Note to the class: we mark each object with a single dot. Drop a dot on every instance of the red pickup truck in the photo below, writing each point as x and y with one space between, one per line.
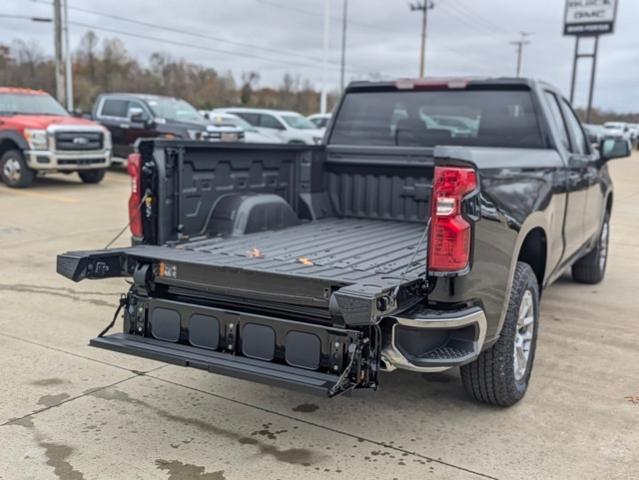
37 135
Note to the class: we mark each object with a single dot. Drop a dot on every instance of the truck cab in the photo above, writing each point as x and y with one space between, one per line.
130 116
38 136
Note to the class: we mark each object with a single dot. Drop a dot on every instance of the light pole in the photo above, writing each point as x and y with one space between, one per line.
422 7
69 66
344 26
520 49
57 43
327 26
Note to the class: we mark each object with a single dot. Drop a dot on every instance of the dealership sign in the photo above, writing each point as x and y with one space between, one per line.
590 17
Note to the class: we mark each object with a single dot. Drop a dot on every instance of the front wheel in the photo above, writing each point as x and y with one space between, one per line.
501 374
92 176
14 170
591 268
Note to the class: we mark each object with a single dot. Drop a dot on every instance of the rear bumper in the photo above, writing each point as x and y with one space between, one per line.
430 341
48 160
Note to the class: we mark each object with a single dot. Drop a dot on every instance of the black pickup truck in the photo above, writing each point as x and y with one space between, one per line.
402 243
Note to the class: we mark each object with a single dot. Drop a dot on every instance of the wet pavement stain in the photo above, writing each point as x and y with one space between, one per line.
26 422
306 408
57 454
51 400
61 292
266 432
295 456
185 471
57 457
49 382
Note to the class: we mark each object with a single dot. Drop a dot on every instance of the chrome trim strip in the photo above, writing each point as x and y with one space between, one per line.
392 358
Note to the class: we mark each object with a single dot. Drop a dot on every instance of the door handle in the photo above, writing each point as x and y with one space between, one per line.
124 125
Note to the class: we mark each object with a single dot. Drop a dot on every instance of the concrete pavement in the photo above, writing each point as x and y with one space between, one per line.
68 411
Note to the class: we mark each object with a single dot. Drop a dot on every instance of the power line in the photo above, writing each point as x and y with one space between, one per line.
468 10
198 47
462 17
334 18
353 68
26 17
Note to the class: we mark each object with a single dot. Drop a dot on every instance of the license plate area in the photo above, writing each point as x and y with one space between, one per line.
229 137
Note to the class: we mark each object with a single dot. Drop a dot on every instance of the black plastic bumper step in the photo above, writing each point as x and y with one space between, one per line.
216 362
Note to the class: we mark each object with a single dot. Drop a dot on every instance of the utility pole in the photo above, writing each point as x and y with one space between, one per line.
327 27
57 42
69 66
520 49
422 7
344 26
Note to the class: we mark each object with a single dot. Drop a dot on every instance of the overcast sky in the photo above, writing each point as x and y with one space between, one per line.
465 37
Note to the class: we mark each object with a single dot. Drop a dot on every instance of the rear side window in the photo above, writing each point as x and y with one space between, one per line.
252 118
558 119
492 118
269 121
581 145
114 108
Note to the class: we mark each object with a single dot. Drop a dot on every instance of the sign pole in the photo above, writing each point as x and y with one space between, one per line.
592 79
574 70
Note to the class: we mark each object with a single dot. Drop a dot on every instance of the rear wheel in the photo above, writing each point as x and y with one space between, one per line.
92 176
591 268
14 170
501 374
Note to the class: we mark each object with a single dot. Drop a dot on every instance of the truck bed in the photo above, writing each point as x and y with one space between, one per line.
299 265
347 250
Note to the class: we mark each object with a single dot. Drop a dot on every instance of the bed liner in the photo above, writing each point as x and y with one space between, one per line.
347 250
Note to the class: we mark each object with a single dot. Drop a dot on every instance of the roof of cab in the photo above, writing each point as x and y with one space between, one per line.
441 82
21 91
137 96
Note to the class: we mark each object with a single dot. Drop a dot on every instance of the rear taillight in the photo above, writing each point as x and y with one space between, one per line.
450 232
135 217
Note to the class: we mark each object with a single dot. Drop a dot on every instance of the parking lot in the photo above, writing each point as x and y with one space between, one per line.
68 411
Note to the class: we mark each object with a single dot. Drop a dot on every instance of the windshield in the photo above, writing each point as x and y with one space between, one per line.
12 104
298 122
494 118
229 121
614 126
174 109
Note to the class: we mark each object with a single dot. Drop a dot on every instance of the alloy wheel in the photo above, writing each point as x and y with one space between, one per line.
12 169
524 335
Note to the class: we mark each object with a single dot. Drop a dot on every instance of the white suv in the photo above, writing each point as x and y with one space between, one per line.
290 127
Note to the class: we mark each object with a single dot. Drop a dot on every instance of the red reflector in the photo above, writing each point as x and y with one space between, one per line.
449 246
135 216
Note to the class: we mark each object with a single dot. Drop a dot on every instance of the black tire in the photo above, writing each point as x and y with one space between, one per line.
493 377
14 171
92 176
591 268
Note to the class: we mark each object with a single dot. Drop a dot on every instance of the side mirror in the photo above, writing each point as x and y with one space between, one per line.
136 115
612 148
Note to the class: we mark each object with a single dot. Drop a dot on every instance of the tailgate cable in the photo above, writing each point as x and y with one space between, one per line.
147 194
402 276
340 385
123 299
